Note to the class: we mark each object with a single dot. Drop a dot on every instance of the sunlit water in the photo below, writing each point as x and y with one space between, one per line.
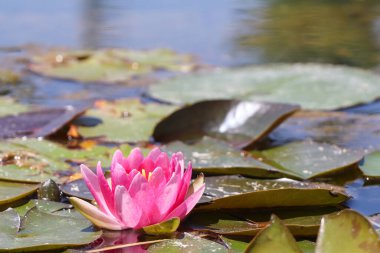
218 32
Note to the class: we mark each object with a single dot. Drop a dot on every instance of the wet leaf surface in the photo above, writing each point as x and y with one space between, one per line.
45 206
230 192
310 159
313 86
11 191
39 123
349 227
274 238
77 188
241 123
43 231
123 120
371 165
163 228
10 106
217 157
352 131
109 65
195 243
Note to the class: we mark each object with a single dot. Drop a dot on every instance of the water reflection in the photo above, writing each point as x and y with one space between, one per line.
332 31
112 238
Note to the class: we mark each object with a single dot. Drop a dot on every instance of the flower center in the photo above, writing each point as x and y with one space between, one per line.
143 172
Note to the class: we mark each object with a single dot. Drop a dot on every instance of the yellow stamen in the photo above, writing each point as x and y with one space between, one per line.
143 172
150 174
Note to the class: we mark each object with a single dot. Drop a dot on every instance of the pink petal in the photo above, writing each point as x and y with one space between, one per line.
185 207
119 177
117 159
135 159
95 215
92 183
167 199
139 183
105 188
147 165
129 211
184 184
153 154
157 181
163 162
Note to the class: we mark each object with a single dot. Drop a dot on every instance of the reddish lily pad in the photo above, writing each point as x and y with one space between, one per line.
217 157
310 159
123 120
241 123
347 231
109 65
39 123
229 192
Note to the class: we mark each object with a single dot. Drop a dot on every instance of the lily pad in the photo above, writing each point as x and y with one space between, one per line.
310 159
195 243
371 165
45 206
347 130
229 192
123 120
163 228
274 238
11 191
347 231
34 160
313 86
38 123
303 223
42 231
217 157
77 188
241 123
9 77
109 65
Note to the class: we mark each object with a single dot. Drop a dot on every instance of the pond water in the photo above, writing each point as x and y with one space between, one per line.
217 32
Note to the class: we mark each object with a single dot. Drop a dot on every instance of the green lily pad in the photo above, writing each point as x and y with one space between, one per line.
166 227
34 160
109 65
303 223
41 231
313 86
195 243
123 120
45 206
217 157
229 192
242 123
310 159
347 231
11 192
347 130
371 165
9 106
274 238
9 77
306 246
235 244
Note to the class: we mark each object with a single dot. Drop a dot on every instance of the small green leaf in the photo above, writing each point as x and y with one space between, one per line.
165 227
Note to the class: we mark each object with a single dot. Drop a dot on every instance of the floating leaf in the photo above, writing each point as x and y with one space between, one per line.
274 238
241 123
11 192
9 77
309 159
39 123
353 131
123 120
8 106
163 228
109 65
42 231
45 206
217 157
347 231
313 86
371 165
195 243
229 192
306 246
77 188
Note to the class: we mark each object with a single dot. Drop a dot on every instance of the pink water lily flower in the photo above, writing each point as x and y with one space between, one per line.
142 191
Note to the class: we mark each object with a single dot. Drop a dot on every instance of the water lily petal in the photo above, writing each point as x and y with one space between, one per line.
127 208
105 188
147 165
117 158
96 216
157 181
196 185
185 207
185 182
135 158
119 177
139 183
153 154
92 183
163 162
